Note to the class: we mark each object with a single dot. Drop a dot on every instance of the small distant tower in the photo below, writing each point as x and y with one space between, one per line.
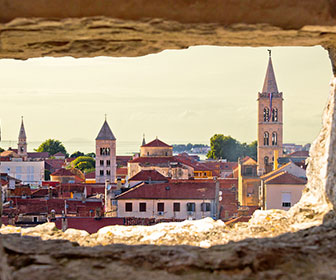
270 125
106 159
143 140
22 144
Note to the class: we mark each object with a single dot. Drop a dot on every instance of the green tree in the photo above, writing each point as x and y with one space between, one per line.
84 163
93 155
52 147
76 154
226 147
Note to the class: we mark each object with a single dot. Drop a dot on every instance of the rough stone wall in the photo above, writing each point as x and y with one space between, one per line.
82 28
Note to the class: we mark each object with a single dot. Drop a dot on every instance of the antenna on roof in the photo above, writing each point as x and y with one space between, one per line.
269 52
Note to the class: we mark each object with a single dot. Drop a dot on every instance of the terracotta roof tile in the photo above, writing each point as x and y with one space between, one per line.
63 172
156 143
172 190
298 154
285 178
146 175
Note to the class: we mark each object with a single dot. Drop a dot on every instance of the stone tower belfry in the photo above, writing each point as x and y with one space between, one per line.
106 159
270 121
22 143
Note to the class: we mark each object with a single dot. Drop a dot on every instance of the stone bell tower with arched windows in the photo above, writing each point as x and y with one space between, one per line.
106 159
270 117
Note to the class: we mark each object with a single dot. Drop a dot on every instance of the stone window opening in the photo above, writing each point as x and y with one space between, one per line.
128 206
142 207
108 163
160 207
191 207
108 172
205 207
101 163
177 207
104 151
274 115
266 138
101 172
293 42
266 160
266 114
274 139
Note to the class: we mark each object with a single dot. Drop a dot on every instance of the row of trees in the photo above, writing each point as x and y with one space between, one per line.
226 147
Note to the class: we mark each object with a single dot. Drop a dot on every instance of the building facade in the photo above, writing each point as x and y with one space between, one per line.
29 172
106 160
270 121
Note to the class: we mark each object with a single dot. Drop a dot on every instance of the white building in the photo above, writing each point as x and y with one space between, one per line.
172 200
29 172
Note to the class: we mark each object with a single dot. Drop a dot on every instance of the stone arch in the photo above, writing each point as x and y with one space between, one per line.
274 115
266 114
266 138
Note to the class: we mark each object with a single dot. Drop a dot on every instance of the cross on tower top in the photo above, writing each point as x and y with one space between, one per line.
269 52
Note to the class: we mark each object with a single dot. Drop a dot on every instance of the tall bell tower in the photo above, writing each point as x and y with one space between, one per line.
106 159
270 121
22 143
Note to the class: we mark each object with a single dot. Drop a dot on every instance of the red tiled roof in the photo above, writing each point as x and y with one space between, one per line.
70 159
41 205
156 143
122 171
89 224
285 178
154 160
38 155
146 175
43 192
63 172
123 160
299 154
172 190
59 154
55 163
90 175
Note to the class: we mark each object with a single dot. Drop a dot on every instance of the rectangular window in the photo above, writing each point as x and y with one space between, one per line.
191 207
286 200
101 172
128 207
108 163
108 172
142 206
205 207
101 163
160 206
177 206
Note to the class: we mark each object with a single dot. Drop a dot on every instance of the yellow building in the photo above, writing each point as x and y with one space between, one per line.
248 182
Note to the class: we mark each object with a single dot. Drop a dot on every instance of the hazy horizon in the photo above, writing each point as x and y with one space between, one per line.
180 96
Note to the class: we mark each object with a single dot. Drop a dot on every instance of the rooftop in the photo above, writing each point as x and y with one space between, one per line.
156 143
172 190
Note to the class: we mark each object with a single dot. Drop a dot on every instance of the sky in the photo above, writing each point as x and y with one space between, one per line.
178 95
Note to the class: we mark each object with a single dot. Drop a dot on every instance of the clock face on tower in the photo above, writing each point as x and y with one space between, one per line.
21 149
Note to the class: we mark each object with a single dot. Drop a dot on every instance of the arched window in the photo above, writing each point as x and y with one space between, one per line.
266 138
274 115
274 139
266 160
266 114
